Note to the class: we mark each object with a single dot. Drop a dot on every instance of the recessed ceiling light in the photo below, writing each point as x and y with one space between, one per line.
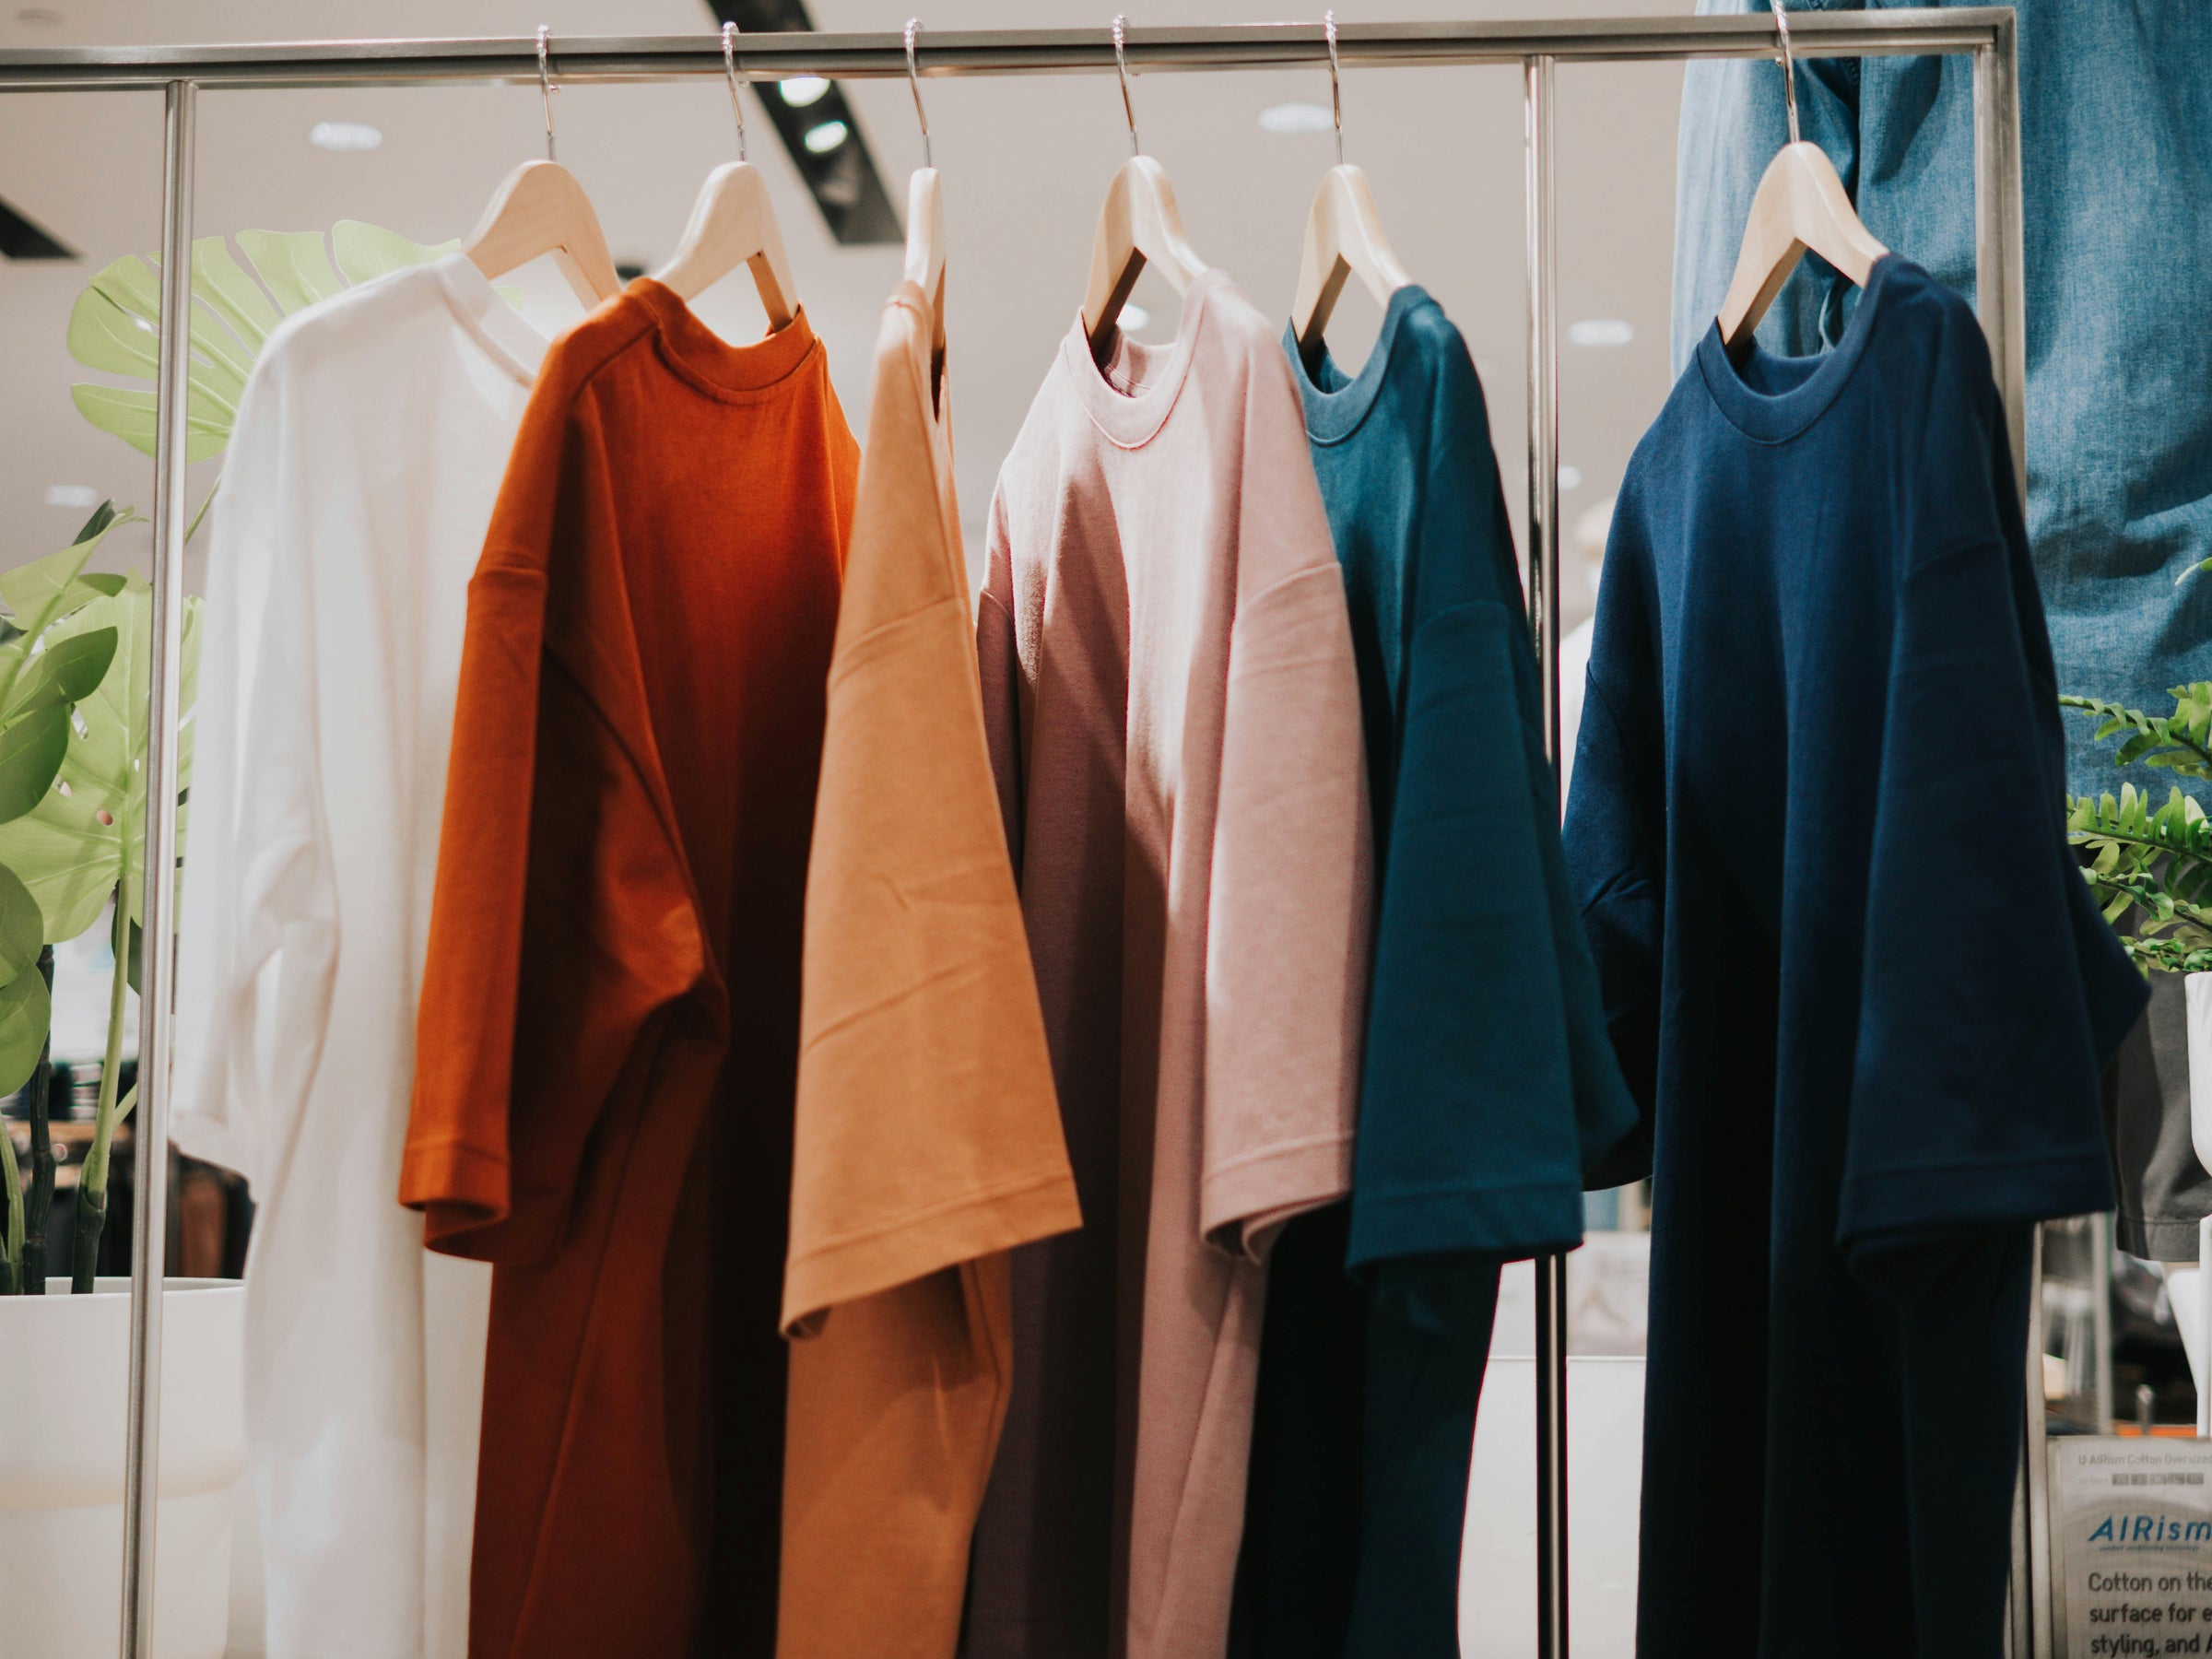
1600 331
802 89
347 137
72 495
820 140
1569 477
1296 118
1134 316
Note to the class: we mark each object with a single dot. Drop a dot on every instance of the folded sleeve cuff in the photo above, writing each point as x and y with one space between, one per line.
460 1189
1508 1221
1243 1205
1016 1212
1879 1205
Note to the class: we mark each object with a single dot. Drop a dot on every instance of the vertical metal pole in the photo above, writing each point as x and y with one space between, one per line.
2000 254
2101 1318
2000 286
2035 1467
1544 618
149 1225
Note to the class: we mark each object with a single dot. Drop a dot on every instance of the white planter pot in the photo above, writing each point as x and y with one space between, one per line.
64 1369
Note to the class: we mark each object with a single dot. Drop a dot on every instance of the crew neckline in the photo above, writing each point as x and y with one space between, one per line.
734 373
1775 417
506 338
1335 403
1131 418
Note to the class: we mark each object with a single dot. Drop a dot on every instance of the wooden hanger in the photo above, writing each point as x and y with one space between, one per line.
540 208
1344 233
925 248
1344 238
1800 204
1138 224
733 223
925 210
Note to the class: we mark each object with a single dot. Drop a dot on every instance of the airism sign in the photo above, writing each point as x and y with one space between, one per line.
2133 1523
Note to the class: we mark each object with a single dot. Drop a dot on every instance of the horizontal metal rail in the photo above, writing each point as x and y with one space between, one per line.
1537 47
1001 51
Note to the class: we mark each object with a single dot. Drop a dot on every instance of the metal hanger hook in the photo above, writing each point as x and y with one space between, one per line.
1121 64
1328 29
1789 65
729 67
914 79
545 83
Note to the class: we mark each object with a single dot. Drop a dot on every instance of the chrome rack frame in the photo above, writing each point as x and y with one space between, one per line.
1538 46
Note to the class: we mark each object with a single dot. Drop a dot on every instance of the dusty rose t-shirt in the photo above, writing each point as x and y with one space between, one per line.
1174 721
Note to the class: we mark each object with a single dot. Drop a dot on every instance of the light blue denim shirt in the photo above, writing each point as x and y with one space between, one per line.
2116 139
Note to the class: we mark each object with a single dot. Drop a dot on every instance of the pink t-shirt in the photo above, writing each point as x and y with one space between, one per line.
1174 718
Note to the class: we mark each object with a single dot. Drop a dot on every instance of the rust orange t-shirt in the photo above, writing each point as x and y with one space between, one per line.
928 1138
608 1032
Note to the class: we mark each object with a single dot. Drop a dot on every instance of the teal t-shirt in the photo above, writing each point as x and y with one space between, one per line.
1489 1084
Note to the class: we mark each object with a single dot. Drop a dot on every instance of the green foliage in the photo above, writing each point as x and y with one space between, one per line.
115 325
88 832
42 676
2153 864
2179 742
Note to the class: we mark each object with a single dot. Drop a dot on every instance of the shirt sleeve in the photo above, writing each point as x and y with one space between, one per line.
257 953
1992 992
1616 833
1288 908
927 1129
1469 1138
562 919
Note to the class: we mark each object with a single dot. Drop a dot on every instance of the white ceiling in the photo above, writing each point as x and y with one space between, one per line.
1024 161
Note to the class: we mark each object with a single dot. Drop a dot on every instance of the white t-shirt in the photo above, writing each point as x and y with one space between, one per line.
368 451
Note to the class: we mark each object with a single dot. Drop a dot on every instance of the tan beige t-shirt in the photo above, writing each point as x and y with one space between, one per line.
1174 718
928 1138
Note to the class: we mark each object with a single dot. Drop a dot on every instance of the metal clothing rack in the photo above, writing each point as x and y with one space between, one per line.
180 72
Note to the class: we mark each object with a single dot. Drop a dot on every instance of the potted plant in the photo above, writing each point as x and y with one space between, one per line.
75 652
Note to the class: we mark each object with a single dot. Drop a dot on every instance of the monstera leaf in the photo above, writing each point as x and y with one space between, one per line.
25 1009
45 673
88 831
115 325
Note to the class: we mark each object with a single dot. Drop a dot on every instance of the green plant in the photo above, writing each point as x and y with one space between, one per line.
2153 864
82 844
52 656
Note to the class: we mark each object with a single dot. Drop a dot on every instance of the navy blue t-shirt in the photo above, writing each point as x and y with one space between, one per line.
1489 1082
1855 974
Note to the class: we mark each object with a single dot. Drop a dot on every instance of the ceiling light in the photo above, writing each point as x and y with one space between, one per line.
1296 118
1600 331
1569 477
820 140
802 89
1134 316
72 495
347 137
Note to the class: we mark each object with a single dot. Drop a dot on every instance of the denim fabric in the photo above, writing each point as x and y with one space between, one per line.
2116 129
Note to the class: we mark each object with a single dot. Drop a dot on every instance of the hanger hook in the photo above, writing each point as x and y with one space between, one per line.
729 67
1121 64
545 83
1328 29
914 79
1789 65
